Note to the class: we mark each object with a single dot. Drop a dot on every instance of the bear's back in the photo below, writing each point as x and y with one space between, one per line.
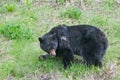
79 35
82 28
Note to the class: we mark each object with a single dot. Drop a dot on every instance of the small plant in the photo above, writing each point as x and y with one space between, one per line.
61 1
16 31
71 13
10 7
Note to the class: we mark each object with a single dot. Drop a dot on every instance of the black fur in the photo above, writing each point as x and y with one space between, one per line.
84 40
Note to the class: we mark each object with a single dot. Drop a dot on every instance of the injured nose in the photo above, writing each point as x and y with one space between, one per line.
52 52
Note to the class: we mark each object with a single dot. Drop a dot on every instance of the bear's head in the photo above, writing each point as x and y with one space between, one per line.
49 43
52 40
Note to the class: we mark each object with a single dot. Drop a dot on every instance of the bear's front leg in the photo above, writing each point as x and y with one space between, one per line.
42 57
67 58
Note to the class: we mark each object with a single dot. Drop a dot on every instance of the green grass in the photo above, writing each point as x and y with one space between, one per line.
16 31
71 13
10 7
99 20
61 1
22 20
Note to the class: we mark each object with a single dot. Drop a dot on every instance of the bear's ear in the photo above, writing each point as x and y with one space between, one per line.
40 39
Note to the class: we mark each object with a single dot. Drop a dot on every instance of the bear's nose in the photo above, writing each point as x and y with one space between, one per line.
52 52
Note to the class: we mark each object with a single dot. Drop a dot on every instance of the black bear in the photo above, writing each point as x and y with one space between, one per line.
84 40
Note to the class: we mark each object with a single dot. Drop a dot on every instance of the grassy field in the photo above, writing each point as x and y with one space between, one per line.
23 21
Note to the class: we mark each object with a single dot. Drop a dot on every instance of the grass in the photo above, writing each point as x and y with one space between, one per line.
61 1
10 7
16 31
27 19
71 13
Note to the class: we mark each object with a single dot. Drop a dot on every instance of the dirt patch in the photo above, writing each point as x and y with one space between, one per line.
38 75
10 77
45 77
110 73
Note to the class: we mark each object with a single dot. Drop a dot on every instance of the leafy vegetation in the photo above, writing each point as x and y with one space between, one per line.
10 7
16 31
61 1
71 13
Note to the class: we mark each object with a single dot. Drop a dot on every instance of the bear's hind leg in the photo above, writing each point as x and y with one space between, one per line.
93 60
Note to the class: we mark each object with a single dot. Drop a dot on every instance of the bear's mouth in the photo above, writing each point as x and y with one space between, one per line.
52 52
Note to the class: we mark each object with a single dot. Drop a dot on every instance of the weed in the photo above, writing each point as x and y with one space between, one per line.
71 13
61 1
10 7
16 31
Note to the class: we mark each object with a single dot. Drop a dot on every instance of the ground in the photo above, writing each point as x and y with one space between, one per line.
19 58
